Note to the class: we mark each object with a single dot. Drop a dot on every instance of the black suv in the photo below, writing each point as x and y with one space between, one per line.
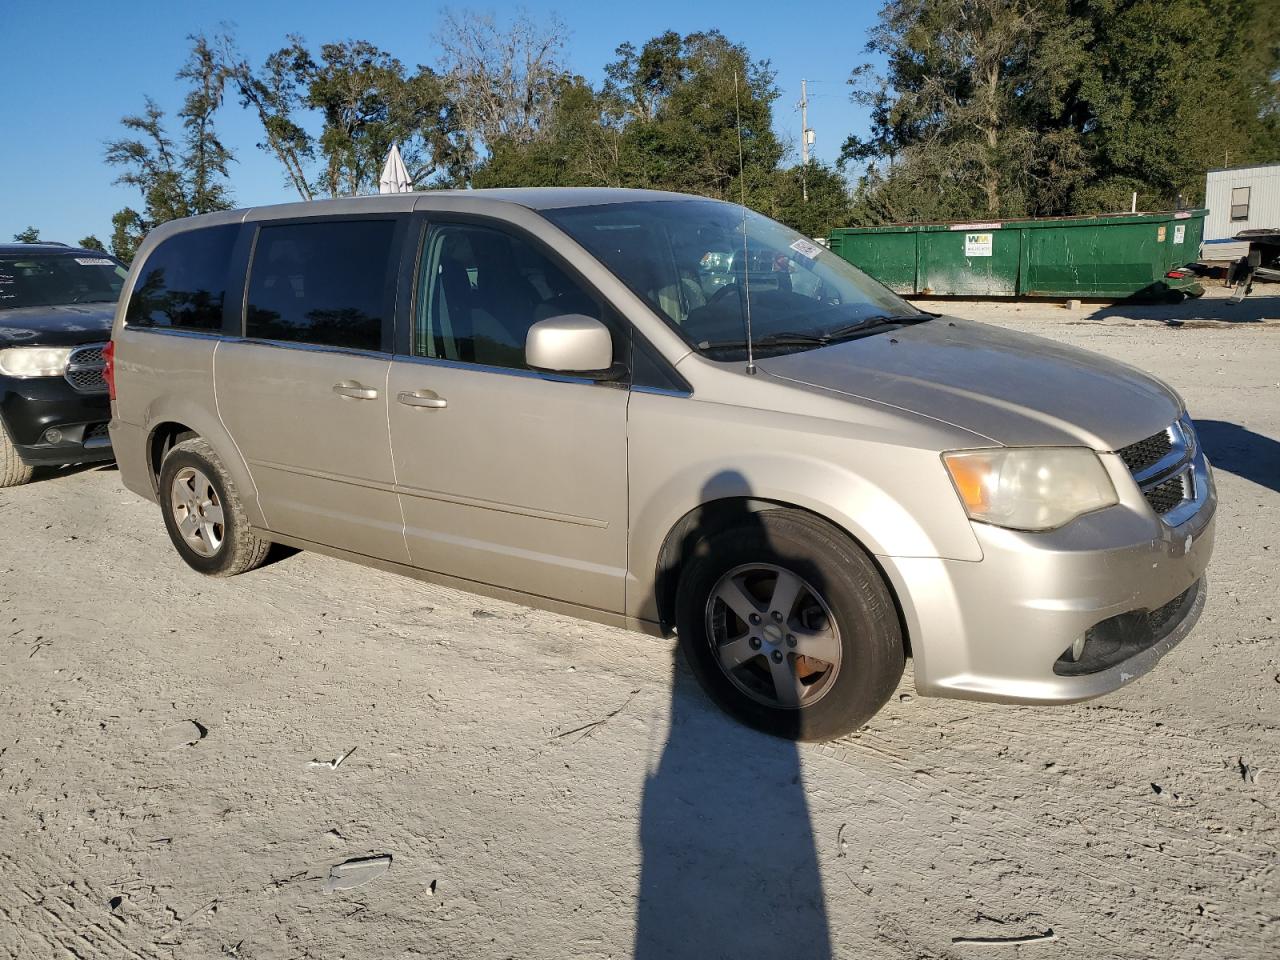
56 307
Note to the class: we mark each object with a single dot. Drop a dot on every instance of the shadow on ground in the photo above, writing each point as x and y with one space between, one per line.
729 864
1259 307
1239 450
42 474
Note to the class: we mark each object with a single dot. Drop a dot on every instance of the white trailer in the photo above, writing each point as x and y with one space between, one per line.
1239 198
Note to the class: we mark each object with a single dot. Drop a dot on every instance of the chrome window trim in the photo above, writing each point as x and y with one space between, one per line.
310 347
175 332
662 391
506 371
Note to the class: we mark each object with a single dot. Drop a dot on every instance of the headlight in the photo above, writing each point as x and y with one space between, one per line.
34 361
1030 488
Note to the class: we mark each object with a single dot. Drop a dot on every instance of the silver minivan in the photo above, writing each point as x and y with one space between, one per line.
664 413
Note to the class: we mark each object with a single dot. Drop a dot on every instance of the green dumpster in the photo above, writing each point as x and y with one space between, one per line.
1112 256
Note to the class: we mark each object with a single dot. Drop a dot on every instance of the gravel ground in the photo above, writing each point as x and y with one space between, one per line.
550 788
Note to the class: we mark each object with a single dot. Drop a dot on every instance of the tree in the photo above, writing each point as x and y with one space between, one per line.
174 181
956 121
828 206
204 159
274 94
128 229
92 243
681 103
503 81
29 235
1040 107
366 100
1171 88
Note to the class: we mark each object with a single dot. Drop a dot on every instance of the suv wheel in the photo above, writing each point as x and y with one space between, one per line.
203 515
14 471
789 626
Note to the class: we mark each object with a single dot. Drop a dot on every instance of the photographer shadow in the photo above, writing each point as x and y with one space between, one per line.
729 861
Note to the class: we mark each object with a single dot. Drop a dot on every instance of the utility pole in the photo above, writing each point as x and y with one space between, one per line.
806 139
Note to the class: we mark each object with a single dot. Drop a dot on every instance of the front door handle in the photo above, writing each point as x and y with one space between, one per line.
422 398
354 390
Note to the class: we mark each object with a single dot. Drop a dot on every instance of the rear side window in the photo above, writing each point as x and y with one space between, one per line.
325 282
184 281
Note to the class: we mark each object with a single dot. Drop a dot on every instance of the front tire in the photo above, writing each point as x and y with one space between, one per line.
14 471
203 513
789 626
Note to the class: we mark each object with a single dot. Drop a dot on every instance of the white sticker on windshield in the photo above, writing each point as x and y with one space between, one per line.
806 249
95 262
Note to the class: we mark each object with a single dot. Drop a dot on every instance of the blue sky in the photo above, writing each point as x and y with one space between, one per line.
73 68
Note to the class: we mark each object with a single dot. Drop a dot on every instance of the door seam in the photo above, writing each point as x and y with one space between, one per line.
217 408
395 475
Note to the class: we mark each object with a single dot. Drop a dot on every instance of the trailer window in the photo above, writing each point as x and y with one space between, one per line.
1240 203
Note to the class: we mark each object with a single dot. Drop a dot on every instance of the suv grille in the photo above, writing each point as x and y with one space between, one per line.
85 369
1161 465
1146 453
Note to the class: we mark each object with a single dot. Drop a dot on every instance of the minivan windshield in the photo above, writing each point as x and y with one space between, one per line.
689 261
56 279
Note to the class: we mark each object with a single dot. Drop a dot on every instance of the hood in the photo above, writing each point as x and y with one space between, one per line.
1012 388
61 326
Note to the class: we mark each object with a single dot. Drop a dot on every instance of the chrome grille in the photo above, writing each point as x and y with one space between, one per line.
85 369
1161 465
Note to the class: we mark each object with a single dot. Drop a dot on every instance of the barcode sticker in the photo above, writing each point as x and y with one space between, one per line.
806 249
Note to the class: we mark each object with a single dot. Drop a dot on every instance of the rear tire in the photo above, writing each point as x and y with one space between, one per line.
203 513
14 471
789 626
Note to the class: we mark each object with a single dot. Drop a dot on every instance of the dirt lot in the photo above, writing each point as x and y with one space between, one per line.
550 788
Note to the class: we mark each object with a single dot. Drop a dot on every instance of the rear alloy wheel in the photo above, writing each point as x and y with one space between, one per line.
203 515
789 626
197 509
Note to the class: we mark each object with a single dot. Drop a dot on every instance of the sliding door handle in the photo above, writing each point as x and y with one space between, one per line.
422 398
354 390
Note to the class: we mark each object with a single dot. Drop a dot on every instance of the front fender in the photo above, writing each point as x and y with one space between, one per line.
893 499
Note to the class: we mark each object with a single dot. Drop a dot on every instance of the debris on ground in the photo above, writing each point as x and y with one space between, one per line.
184 734
357 871
331 764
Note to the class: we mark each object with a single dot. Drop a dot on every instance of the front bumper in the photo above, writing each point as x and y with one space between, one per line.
997 628
29 408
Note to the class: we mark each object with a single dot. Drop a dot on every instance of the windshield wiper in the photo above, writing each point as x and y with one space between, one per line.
798 338
786 339
878 322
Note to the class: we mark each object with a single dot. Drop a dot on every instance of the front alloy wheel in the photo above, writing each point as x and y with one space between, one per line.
788 624
774 636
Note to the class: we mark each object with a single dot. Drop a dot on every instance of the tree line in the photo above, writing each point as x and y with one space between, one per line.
984 107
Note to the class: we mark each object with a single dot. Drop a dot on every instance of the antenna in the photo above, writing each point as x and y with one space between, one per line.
746 261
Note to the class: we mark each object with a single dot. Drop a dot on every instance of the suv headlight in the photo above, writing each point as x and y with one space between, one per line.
34 361
1030 488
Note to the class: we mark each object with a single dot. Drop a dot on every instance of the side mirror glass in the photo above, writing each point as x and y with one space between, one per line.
570 343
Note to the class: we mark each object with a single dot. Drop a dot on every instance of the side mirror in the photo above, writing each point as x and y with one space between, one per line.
571 343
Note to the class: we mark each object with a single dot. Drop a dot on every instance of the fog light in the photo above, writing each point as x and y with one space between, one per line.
1077 648
53 435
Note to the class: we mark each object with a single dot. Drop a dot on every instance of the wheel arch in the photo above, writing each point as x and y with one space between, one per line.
715 516
164 437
